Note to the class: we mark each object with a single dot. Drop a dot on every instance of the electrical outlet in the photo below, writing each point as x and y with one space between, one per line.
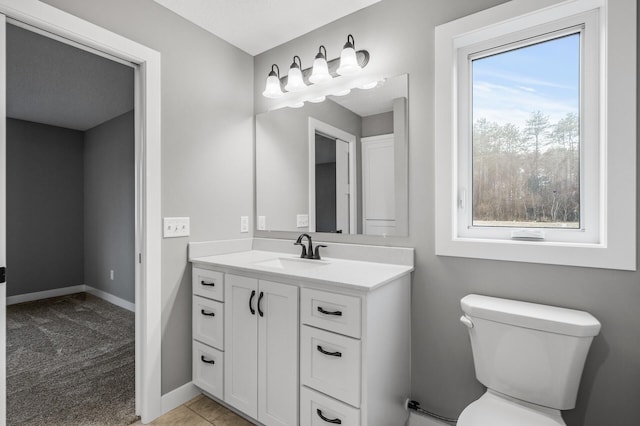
174 227
302 220
262 223
244 223
111 275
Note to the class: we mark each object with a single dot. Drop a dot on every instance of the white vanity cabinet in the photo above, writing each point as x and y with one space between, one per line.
207 324
354 355
307 350
261 366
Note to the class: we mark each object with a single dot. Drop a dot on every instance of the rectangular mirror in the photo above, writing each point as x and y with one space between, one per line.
338 166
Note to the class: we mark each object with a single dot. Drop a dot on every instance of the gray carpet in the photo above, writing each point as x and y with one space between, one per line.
70 361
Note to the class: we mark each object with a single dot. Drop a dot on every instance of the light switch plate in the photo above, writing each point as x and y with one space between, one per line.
262 223
302 220
244 223
175 227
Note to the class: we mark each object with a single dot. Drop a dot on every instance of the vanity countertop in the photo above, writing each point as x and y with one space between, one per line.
352 274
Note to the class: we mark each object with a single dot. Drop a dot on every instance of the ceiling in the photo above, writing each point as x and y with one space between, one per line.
259 25
53 83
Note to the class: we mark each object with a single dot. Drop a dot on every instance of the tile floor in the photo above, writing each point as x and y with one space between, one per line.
201 411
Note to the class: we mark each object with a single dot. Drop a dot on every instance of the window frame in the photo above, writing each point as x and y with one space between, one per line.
607 233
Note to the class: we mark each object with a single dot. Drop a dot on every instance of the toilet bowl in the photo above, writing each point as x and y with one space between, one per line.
529 356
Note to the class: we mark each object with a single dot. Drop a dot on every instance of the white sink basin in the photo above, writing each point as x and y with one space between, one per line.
292 264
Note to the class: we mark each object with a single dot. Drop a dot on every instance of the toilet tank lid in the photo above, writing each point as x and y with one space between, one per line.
547 318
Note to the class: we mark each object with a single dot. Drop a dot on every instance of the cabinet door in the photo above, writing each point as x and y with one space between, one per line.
241 344
278 354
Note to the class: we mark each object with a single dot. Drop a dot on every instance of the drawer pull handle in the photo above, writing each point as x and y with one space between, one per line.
334 421
336 313
208 361
209 314
211 284
338 354
253 294
259 301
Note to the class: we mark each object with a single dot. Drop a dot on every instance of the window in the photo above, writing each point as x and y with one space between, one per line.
530 148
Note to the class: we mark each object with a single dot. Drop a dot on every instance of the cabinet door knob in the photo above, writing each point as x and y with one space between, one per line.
259 301
209 314
208 361
253 294
211 284
336 313
337 354
333 421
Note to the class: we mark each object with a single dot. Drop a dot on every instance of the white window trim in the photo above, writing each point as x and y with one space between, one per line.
615 244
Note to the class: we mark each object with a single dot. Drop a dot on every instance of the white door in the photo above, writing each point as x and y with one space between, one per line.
278 354
378 185
241 344
3 225
342 186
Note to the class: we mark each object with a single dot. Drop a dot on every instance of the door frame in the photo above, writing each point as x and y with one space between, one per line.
317 126
147 63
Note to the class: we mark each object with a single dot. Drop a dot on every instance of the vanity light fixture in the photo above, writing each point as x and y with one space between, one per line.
348 59
342 92
320 72
295 83
326 77
369 85
273 89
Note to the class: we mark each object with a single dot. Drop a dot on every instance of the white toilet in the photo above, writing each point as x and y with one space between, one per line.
529 356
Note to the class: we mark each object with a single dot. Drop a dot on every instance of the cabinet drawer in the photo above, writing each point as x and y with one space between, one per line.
317 409
208 283
208 321
331 311
208 368
330 363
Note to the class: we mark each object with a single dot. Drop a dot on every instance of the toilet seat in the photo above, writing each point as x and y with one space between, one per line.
499 410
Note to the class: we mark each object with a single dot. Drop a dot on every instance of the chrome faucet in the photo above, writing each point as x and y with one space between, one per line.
308 252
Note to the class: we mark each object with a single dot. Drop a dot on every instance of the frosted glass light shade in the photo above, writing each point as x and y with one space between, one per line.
318 99
348 62
272 89
342 92
320 73
369 85
295 82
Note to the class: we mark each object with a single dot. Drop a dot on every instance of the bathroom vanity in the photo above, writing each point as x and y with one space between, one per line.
290 341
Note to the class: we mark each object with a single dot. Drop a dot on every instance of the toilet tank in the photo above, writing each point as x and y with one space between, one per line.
528 351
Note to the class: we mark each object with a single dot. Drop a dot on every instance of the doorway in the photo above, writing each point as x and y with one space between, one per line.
70 233
332 179
82 34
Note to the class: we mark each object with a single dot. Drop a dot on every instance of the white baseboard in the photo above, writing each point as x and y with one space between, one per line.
83 288
179 396
29 297
125 304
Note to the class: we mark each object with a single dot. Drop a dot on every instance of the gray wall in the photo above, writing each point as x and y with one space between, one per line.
378 124
282 159
399 34
44 207
207 143
109 207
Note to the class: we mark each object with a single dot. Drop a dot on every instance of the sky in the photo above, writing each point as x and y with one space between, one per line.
508 87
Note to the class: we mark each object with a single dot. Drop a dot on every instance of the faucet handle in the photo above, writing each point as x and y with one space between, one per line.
304 249
316 255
